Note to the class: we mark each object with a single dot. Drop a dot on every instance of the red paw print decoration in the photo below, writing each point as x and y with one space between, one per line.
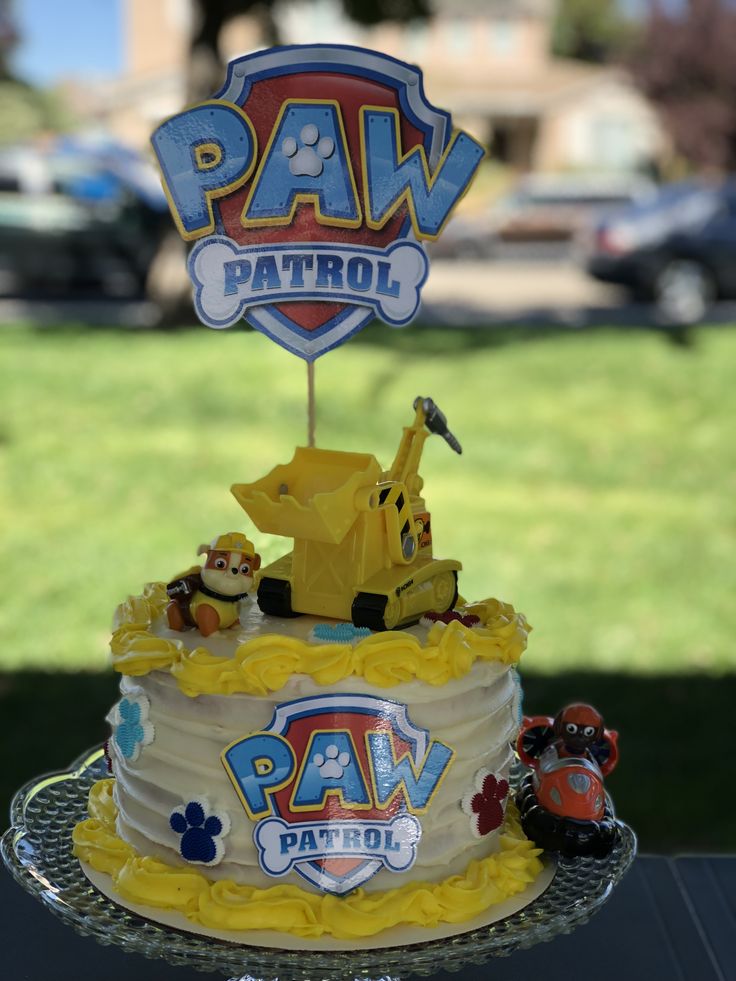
108 758
485 804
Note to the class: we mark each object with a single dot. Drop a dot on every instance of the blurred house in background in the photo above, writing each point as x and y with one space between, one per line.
487 61
490 63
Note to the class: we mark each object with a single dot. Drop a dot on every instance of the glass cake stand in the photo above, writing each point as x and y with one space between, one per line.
37 850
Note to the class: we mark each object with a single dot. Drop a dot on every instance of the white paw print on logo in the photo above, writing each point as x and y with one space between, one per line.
306 160
334 765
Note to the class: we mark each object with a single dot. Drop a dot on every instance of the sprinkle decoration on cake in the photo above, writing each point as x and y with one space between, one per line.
320 745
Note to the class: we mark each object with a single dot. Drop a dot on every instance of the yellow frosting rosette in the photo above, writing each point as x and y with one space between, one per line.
226 905
265 664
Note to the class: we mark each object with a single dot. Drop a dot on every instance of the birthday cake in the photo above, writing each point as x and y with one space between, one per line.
321 746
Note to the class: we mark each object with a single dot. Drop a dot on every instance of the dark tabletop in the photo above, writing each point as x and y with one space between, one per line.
670 919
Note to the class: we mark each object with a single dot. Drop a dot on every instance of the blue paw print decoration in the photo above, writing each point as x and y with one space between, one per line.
131 728
201 830
339 633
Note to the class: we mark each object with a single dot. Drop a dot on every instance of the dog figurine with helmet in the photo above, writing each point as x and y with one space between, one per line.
577 730
207 597
562 802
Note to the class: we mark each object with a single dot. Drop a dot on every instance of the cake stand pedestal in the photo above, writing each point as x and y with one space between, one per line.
37 850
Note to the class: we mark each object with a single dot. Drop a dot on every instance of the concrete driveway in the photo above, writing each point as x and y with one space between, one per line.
475 292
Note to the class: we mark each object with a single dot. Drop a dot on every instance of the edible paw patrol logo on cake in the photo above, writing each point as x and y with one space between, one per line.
335 784
311 181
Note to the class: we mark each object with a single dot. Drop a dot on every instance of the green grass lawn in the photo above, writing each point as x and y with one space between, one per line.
596 491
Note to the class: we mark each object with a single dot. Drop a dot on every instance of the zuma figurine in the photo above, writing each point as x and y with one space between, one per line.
208 597
578 731
562 802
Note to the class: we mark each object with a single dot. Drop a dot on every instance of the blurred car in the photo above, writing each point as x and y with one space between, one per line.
676 248
78 217
542 208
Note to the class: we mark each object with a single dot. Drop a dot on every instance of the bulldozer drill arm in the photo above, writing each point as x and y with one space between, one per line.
428 418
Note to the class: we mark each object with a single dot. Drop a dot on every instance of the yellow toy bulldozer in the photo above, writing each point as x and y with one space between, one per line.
362 536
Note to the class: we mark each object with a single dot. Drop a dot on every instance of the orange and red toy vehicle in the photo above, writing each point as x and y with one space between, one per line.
562 802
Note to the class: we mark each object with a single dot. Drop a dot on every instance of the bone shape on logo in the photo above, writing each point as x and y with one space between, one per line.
282 845
228 278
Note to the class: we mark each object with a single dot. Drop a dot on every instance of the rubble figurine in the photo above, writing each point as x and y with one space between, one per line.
208 597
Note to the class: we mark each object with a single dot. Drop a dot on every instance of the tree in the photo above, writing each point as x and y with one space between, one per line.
8 40
686 64
26 111
590 30
206 69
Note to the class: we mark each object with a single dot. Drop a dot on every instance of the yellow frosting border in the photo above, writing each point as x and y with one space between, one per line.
225 905
265 664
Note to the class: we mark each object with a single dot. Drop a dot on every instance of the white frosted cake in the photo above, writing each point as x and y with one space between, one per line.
439 684
332 756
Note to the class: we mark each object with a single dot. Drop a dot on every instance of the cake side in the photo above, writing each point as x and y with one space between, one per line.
448 684
475 716
224 905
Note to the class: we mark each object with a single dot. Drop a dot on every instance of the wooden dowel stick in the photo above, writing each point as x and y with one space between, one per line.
311 425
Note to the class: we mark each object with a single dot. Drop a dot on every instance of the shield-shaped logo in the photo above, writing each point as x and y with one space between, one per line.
312 180
336 784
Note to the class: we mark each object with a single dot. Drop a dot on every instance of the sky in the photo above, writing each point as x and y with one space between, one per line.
62 38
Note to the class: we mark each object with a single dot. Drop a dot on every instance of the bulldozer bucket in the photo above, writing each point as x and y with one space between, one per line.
311 498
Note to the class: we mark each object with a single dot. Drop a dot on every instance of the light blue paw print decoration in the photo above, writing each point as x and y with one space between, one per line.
202 829
131 728
338 633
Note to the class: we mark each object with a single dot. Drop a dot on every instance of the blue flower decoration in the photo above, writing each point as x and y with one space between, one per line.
339 633
132 730
201 831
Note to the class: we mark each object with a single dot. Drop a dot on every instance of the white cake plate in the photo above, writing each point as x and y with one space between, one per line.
37 850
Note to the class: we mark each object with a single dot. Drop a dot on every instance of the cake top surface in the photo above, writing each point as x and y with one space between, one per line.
261 653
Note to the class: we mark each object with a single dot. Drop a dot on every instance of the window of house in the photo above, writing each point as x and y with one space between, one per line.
503 37
612 142
179 14
460 36
416 38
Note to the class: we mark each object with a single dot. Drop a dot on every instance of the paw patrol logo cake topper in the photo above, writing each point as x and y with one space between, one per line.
309 183
335 784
